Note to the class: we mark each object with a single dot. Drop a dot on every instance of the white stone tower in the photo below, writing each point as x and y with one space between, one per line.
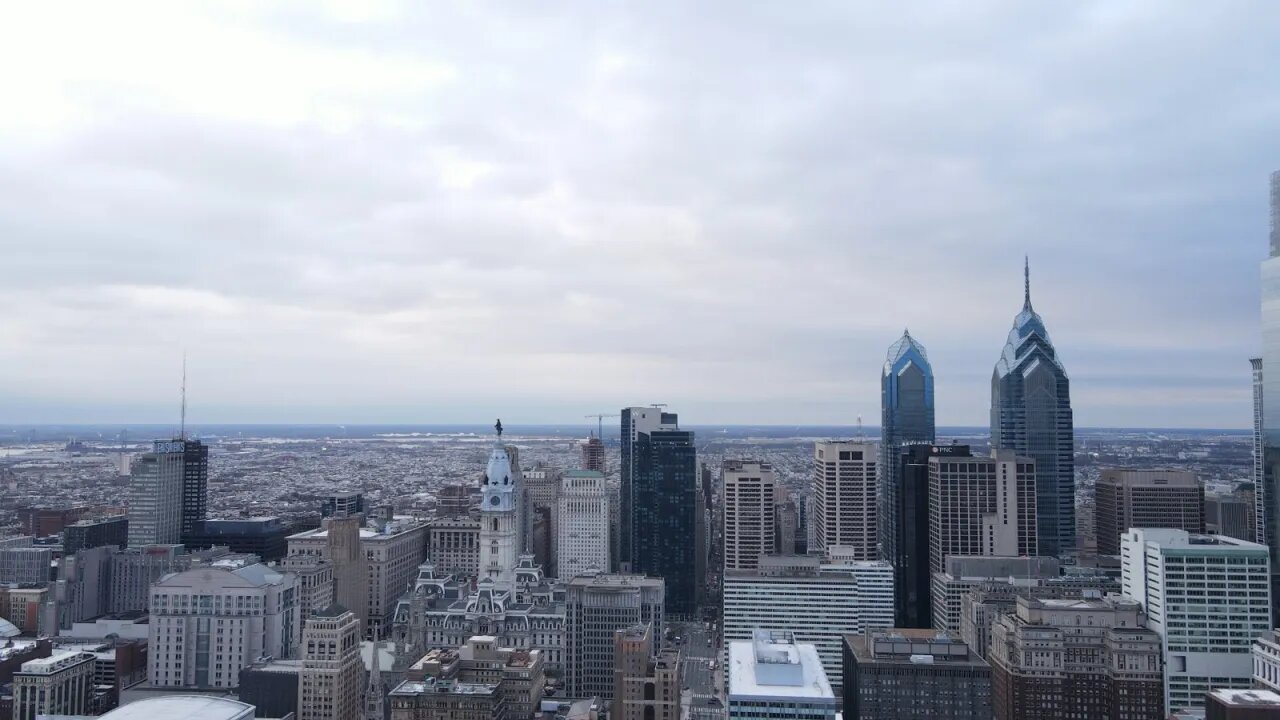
499 517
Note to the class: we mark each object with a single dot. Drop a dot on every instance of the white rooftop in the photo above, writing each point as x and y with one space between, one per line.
770 666
187 707
1267 698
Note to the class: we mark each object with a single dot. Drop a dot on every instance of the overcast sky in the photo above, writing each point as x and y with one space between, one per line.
446 212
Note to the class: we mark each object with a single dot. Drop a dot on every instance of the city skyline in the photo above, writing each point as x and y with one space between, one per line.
367 215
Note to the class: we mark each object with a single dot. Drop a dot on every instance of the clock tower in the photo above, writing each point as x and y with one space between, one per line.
499 517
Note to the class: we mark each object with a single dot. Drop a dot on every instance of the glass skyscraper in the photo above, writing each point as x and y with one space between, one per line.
1267 496
906 417
635 420
665 515
1031 415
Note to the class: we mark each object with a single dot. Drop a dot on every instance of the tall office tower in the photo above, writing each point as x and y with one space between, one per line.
1146 499
906 546
583 542
1031 416
332 673
774 676
61 684
454 546
820 602
1208 597
156 486
195 485
208 623
593 454
1259 496
751 494
540 511
595 608
635 420
844 497
372 565
914 674
1080 658
646 684
345 552
665 522
981 506
614 487
906 416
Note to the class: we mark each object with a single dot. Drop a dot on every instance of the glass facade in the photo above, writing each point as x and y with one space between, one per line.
1031 415
664 519
906 416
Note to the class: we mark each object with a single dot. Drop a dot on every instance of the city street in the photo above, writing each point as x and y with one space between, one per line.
703 698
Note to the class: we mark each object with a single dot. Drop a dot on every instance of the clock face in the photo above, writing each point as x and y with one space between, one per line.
494 500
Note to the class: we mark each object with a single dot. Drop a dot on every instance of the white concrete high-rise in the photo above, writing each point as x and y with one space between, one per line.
583 523
818 601
751 493
156 485
1208 597
844 497
774 676
209 623
332 674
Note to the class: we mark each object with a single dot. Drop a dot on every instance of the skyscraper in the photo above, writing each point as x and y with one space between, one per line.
1259 495
1267 492
595 608
645 687
906 415
664 520
1031 415
156 485
908 549
332 671
981 506
195 486
583 524
1146 499
751 493
844 497
635 420
1208 597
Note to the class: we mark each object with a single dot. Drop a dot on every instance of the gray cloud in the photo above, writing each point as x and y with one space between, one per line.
425 211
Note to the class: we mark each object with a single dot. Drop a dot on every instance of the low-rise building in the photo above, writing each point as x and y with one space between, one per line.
911 674
517 675
645 686
61 684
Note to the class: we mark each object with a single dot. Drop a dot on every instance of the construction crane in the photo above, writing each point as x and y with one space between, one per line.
600 421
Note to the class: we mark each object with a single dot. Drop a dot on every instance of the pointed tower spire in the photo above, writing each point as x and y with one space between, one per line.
182 421
1026 282
373 693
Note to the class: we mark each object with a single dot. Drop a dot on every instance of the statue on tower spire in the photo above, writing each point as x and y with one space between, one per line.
498 426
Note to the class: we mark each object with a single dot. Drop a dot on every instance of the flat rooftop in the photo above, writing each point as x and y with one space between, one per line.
1247 698
746 683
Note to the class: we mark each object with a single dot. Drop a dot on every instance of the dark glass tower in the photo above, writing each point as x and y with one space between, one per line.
195 487
664 520
912 594
1031 415
906 416
635 420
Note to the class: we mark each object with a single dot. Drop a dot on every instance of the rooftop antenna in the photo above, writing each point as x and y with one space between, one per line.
182 427
1026 282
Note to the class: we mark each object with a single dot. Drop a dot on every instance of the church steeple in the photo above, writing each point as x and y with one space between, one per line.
374 693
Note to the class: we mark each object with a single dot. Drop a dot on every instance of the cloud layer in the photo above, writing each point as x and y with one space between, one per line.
422 212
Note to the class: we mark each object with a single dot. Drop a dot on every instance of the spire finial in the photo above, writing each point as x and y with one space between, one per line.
906 332
498 426
1026 282
182 420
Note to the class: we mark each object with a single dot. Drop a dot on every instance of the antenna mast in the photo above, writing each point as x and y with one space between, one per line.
182 427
